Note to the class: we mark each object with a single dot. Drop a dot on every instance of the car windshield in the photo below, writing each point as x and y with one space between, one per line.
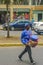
35 23
20 21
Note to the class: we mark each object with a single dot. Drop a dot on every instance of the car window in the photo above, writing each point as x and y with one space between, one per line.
26 21
20 22
34 24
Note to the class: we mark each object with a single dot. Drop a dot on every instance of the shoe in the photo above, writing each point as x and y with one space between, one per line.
33 63
20 58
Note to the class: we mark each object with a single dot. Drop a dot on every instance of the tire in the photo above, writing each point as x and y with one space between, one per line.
38 33
12 28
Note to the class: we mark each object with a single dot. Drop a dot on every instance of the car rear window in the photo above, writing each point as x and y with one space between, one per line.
23 22
26 21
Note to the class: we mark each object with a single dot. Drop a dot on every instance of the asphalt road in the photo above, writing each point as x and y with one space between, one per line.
9 56
12 33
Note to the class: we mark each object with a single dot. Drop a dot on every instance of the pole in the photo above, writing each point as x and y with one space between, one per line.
7 21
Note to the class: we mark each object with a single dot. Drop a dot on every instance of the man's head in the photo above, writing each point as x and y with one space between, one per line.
27 26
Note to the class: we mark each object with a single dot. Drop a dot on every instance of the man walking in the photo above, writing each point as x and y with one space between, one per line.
25 39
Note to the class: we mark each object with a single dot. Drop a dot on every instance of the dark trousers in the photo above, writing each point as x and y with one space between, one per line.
27 49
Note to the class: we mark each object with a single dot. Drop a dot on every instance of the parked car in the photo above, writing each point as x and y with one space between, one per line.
17 25
38 27
34 25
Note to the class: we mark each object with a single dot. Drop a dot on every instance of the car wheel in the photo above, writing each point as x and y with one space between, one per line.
12 28
38 33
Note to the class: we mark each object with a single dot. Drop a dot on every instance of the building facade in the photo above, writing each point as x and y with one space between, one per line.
19 8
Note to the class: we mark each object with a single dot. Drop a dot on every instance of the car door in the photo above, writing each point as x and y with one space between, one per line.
25 22
20 24
41 26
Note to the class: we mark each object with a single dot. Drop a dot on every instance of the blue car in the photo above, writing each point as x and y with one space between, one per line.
17 25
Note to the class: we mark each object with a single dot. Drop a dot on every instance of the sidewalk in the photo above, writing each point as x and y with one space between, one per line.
12 41
15 41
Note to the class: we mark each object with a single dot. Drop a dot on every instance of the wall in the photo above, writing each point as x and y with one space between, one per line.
32 8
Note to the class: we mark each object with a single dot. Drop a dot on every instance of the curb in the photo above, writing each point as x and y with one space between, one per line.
10 45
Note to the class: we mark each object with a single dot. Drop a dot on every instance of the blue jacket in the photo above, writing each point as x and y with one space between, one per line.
25 36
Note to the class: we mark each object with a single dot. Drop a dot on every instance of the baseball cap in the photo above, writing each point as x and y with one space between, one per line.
27 24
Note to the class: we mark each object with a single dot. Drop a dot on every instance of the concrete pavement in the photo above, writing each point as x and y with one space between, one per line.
9 56
15 41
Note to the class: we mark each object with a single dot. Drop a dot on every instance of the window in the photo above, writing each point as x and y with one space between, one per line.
20 2
33 2
26 22
41 3
37 2
1 1
39 16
